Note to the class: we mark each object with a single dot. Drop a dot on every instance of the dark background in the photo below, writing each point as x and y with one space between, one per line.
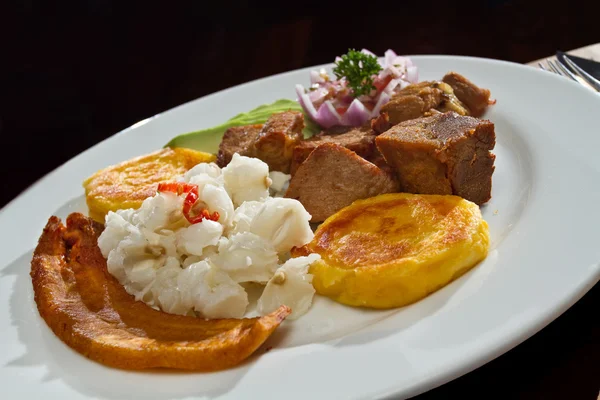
72 74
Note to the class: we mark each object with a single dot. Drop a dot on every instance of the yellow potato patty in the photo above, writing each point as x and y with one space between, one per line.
127 184
394 249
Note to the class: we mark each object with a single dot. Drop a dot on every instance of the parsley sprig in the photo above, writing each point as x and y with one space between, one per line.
358 68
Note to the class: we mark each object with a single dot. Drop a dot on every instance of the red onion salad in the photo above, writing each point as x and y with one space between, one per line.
330 102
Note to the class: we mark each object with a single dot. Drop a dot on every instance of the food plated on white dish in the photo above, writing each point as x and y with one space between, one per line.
322 228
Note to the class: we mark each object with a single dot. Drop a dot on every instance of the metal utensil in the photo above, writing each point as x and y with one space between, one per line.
566 61
589 65
558 68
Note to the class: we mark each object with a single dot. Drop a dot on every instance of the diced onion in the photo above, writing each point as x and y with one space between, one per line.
306 104
356 115
412 74
330 102
389 55
327 116
317 95
389 88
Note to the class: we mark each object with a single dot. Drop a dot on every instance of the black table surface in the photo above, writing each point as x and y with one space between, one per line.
72 75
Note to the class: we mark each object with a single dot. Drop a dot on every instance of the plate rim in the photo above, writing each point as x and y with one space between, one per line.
441 378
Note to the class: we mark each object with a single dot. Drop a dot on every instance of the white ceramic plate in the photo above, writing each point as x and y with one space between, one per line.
543 220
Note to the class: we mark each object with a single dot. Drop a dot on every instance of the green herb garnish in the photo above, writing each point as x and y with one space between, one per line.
358 68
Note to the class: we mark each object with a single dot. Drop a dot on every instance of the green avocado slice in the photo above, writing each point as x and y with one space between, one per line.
207 140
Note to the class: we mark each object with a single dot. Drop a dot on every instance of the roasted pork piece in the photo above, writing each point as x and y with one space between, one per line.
332 177
442 154
360 140
272 142
277 139
415 101
237 139
454 93
475 98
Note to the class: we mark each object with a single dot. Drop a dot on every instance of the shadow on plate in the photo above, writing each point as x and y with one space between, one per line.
405 317
380 324
90 379
439 305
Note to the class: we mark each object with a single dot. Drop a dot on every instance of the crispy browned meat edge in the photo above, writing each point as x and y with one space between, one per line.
121 332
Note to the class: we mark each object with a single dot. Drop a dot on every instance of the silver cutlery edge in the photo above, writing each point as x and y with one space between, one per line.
570 70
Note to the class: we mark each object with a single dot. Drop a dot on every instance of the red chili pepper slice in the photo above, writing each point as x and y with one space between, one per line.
177 187
190 199
204 214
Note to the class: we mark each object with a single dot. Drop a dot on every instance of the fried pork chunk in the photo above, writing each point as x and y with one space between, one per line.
360 140
277 139
237 139
453 93
475 98
272 142
442 154
418 100
332 177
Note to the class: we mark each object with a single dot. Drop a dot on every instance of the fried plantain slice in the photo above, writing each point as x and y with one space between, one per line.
90 311
127 184
394 249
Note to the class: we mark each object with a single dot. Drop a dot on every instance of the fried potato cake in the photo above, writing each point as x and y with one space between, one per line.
127 184
90 311
394 249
